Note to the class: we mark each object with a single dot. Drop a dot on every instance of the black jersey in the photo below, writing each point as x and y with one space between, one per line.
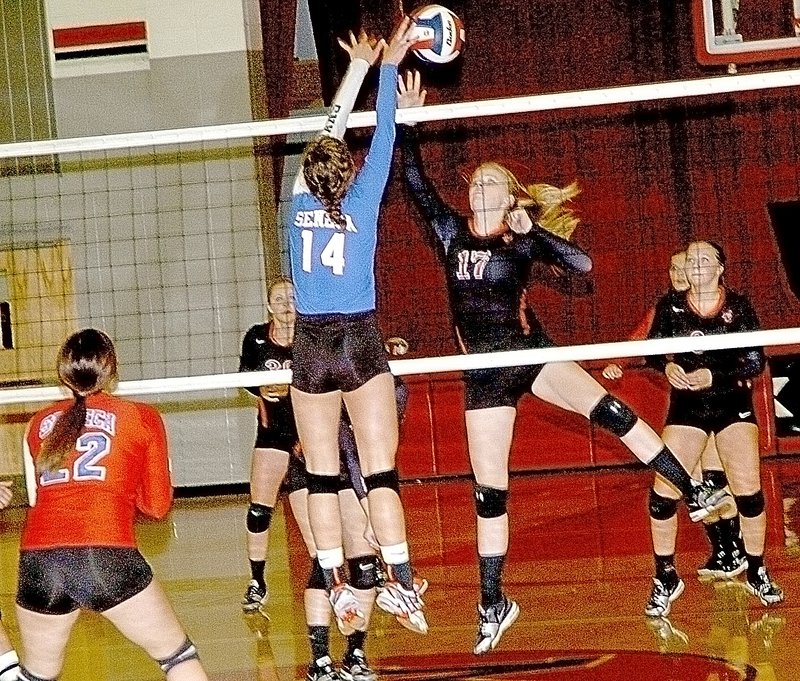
732 369
485 276
260 353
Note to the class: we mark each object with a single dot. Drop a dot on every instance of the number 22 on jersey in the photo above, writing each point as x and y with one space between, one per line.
92 447
332 255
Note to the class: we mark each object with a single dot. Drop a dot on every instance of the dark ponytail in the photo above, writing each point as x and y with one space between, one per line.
86 364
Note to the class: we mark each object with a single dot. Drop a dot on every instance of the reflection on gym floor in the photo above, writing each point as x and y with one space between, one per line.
579 566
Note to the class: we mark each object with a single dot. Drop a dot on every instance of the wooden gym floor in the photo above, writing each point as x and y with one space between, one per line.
579 566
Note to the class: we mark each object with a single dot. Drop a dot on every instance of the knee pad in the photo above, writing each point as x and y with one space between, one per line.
323 484
717 478
363 572
258 518
490 502
186 652
661 508
386 479
24 675
316 578
751 505
613 415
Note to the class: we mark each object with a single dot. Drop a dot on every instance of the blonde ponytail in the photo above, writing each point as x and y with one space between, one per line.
549 201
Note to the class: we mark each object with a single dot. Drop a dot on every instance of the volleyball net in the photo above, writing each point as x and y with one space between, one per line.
167 239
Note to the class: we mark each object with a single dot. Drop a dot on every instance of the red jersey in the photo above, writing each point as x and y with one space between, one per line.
119 464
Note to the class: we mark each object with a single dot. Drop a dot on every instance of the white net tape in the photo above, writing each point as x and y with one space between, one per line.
481 108
432 365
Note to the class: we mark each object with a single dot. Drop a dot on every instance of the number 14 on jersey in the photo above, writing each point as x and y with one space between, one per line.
332 255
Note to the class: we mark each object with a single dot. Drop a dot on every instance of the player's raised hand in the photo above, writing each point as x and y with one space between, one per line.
364 47
402 39
410 92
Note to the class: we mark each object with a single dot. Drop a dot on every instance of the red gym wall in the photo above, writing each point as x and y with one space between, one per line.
654 175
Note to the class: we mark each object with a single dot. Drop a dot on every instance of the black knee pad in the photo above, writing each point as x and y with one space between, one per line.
323 484
387 479
490 502
258 518
25 675
186 652
613 415
750 505
717 478
363 572
661 508
316 578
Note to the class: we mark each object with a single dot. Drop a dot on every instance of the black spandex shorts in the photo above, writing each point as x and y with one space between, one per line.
710 412
503 387
276 438
336 352
59 581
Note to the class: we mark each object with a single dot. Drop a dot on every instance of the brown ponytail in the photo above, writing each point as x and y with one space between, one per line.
86 364
328 168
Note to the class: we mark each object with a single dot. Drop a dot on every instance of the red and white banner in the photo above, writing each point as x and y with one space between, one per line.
100 40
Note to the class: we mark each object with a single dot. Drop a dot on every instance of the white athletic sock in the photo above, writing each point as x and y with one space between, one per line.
9 666
395 554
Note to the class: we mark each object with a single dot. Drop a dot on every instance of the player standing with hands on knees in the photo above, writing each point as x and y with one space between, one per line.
91 463
487 257
338 350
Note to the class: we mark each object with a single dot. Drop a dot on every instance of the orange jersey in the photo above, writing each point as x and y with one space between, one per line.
119 464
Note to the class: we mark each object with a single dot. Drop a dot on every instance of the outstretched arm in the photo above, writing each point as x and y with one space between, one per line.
375 172
438 216
558 251
363 51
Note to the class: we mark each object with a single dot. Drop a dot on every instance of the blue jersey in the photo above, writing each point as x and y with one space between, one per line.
333 269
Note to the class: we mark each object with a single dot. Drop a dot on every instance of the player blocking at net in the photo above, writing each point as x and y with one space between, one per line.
338 351
488 257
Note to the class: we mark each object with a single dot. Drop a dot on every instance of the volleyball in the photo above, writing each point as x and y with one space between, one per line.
439 34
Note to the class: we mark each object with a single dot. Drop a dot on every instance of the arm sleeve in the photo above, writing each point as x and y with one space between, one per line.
736 364
659 328
339 111
375 172
154 495
552 248
29 467
439 219
642 330
248 360
345 98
